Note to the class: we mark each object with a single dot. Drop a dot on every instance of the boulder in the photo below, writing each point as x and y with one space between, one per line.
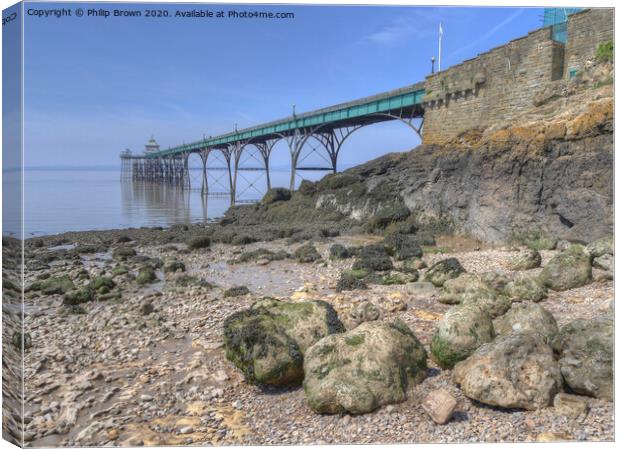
514 371
365 311
570 405
440 405
604 262
525 260
276 194
349 282
443 270
568 269
422 289
233 292
199 242
454 289
338 251
527 318
146 275
525 288
173 265
601 247
267 341
363 369
585 351
459 333
495 304
123 252
402 246
307 253
373 258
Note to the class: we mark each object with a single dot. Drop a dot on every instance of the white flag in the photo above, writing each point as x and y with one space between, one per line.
440 29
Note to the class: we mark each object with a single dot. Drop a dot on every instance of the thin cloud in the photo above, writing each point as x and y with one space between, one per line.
489 33
397 31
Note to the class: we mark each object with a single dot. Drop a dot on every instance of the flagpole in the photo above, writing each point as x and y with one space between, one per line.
439 59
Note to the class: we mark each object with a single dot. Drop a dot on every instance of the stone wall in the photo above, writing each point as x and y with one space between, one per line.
499 85
586 30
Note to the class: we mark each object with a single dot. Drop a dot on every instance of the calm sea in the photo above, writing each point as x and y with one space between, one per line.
78 200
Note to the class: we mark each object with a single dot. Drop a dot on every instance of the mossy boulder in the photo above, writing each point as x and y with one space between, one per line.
307 188
455 289
525 288
307 253
443 270
102 284
172 266
123 252
586 355
56 285
199 242
267 342
525 260
373 258
514 371
364 368
462 330
402 246
527 317
119 270
260 253
537 239
79 296
233 292
146 275
365 311
276 194
568 269
388 215
349 282
338 252
600 247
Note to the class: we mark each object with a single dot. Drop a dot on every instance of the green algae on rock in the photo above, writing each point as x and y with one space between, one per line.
268 340
364 368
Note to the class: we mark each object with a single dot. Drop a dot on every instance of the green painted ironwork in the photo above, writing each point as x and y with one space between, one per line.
406 97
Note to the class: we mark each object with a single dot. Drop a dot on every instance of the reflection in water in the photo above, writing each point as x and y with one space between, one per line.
78 200
163 202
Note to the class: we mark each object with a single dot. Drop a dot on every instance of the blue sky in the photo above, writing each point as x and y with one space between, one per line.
95 86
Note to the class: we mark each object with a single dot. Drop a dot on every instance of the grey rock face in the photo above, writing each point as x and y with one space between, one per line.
527 318
363 369
568 269
585 349
459 333
514 371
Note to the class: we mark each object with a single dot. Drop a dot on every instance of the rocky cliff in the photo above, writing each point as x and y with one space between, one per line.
548 173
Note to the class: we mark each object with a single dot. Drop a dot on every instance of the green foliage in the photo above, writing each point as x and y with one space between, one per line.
605 52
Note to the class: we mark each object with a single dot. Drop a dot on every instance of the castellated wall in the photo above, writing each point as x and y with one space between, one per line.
499 85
